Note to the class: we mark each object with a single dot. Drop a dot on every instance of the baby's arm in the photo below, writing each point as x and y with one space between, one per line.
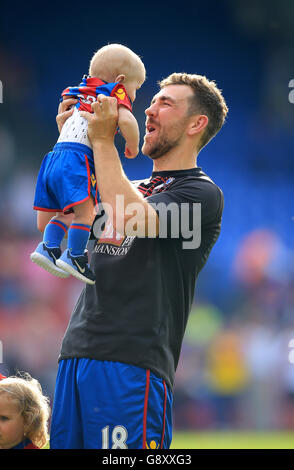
130 131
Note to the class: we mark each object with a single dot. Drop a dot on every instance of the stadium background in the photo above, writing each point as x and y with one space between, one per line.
235 371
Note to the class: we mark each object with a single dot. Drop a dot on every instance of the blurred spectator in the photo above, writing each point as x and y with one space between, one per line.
227 377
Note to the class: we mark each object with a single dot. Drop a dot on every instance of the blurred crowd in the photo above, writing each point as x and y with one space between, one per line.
236 368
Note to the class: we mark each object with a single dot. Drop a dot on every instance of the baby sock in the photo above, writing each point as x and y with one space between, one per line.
54 233
78 236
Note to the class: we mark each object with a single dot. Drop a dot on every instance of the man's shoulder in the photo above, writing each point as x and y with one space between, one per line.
195 183
181 178
198 181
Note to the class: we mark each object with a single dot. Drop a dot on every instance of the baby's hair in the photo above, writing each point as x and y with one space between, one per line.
115 59
33 405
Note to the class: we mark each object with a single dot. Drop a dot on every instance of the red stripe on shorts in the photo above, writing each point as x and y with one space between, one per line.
145 408
164 413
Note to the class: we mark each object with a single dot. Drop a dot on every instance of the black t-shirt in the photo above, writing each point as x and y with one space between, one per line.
138 309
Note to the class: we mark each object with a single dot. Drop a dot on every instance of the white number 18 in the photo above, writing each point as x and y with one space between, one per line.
119 437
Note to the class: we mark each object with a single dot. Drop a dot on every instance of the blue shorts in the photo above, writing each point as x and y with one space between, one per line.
66 178
109 405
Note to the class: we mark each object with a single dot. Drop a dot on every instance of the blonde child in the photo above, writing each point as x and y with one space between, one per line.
24 413
66 182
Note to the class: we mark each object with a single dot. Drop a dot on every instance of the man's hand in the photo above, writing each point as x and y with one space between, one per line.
102 124
65 110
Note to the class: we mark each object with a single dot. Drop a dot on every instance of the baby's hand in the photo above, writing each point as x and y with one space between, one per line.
131 153
65 110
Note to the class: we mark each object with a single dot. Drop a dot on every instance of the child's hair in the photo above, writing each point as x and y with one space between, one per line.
115 59
33 405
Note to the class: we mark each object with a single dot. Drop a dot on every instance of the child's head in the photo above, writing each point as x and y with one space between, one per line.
24 412
118 63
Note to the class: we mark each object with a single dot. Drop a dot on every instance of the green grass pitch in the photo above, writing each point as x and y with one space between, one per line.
230 440
233 440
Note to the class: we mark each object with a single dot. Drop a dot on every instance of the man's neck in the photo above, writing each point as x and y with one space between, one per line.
174 162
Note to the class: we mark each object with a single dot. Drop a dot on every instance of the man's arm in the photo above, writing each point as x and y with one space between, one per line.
131 214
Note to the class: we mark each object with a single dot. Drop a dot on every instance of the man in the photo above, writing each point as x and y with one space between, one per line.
121 348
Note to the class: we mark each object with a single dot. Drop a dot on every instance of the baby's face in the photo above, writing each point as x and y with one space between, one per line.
133 83
131 87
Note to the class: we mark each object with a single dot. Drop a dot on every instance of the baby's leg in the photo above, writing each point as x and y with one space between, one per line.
84 213
65 218
56 229
43 218
75 259
48 251
79 230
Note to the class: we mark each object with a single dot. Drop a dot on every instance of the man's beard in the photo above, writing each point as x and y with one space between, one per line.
162 146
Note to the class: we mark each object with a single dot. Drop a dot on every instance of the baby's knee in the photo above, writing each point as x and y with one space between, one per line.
41 227
41 224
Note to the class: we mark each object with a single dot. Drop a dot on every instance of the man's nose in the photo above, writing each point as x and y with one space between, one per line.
151 111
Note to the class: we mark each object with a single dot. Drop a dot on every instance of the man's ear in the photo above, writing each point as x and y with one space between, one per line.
197 124
120 78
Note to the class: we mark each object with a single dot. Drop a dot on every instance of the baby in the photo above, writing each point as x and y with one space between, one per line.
24 413
66 182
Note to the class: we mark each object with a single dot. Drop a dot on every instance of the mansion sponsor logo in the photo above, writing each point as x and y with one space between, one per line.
179 221
110 244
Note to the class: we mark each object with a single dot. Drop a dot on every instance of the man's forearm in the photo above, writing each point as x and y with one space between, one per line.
119 194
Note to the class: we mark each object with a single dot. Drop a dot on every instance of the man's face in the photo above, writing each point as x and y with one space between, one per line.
166 120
